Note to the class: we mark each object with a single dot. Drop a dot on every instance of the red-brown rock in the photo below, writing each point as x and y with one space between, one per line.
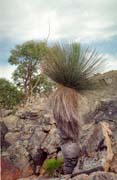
9 172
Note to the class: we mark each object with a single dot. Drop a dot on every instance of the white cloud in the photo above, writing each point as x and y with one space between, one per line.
20 20
87 20
111 62
80 20
6 72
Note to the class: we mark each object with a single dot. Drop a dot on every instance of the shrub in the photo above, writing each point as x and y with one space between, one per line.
72 66
52 166
10 96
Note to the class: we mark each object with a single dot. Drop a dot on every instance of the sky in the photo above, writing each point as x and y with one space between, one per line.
92 22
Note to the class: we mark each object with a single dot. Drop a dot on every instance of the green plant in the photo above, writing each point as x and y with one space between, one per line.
51 166
10 96
27 58
71 67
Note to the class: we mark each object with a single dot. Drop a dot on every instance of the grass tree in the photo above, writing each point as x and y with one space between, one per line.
71 67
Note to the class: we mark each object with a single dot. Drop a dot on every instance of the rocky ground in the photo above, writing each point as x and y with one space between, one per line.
29 137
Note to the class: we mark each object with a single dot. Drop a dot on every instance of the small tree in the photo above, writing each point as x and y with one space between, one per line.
27 59
10 96
71 67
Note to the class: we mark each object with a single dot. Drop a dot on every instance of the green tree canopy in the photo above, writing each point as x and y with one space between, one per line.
27 57
10 96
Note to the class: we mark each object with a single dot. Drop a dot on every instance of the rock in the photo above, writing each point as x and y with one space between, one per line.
113 167
114 146
36 140
12 137
37 154
99 175
81 177
28 129
62 177
49 118
39 160
51 142
9 172
3 128
27 171
96 150
18 155
91 100
27 135
3 131
42 144
11 122
5 112
29 115
60 155
106 111
65 177
30 178
102 176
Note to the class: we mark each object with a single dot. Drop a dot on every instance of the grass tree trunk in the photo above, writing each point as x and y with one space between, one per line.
65 103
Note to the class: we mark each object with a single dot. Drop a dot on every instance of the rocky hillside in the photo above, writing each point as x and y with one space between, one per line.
29 137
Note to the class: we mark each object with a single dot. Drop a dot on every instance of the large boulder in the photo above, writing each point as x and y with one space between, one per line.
12 137
99 175
11 122
96 153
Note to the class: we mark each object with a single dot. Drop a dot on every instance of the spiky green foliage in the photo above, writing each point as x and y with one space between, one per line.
52 165
71 65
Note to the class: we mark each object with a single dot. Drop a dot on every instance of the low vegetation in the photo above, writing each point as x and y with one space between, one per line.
10 96
53 166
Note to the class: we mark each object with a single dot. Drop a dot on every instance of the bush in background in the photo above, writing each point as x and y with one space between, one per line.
10 96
